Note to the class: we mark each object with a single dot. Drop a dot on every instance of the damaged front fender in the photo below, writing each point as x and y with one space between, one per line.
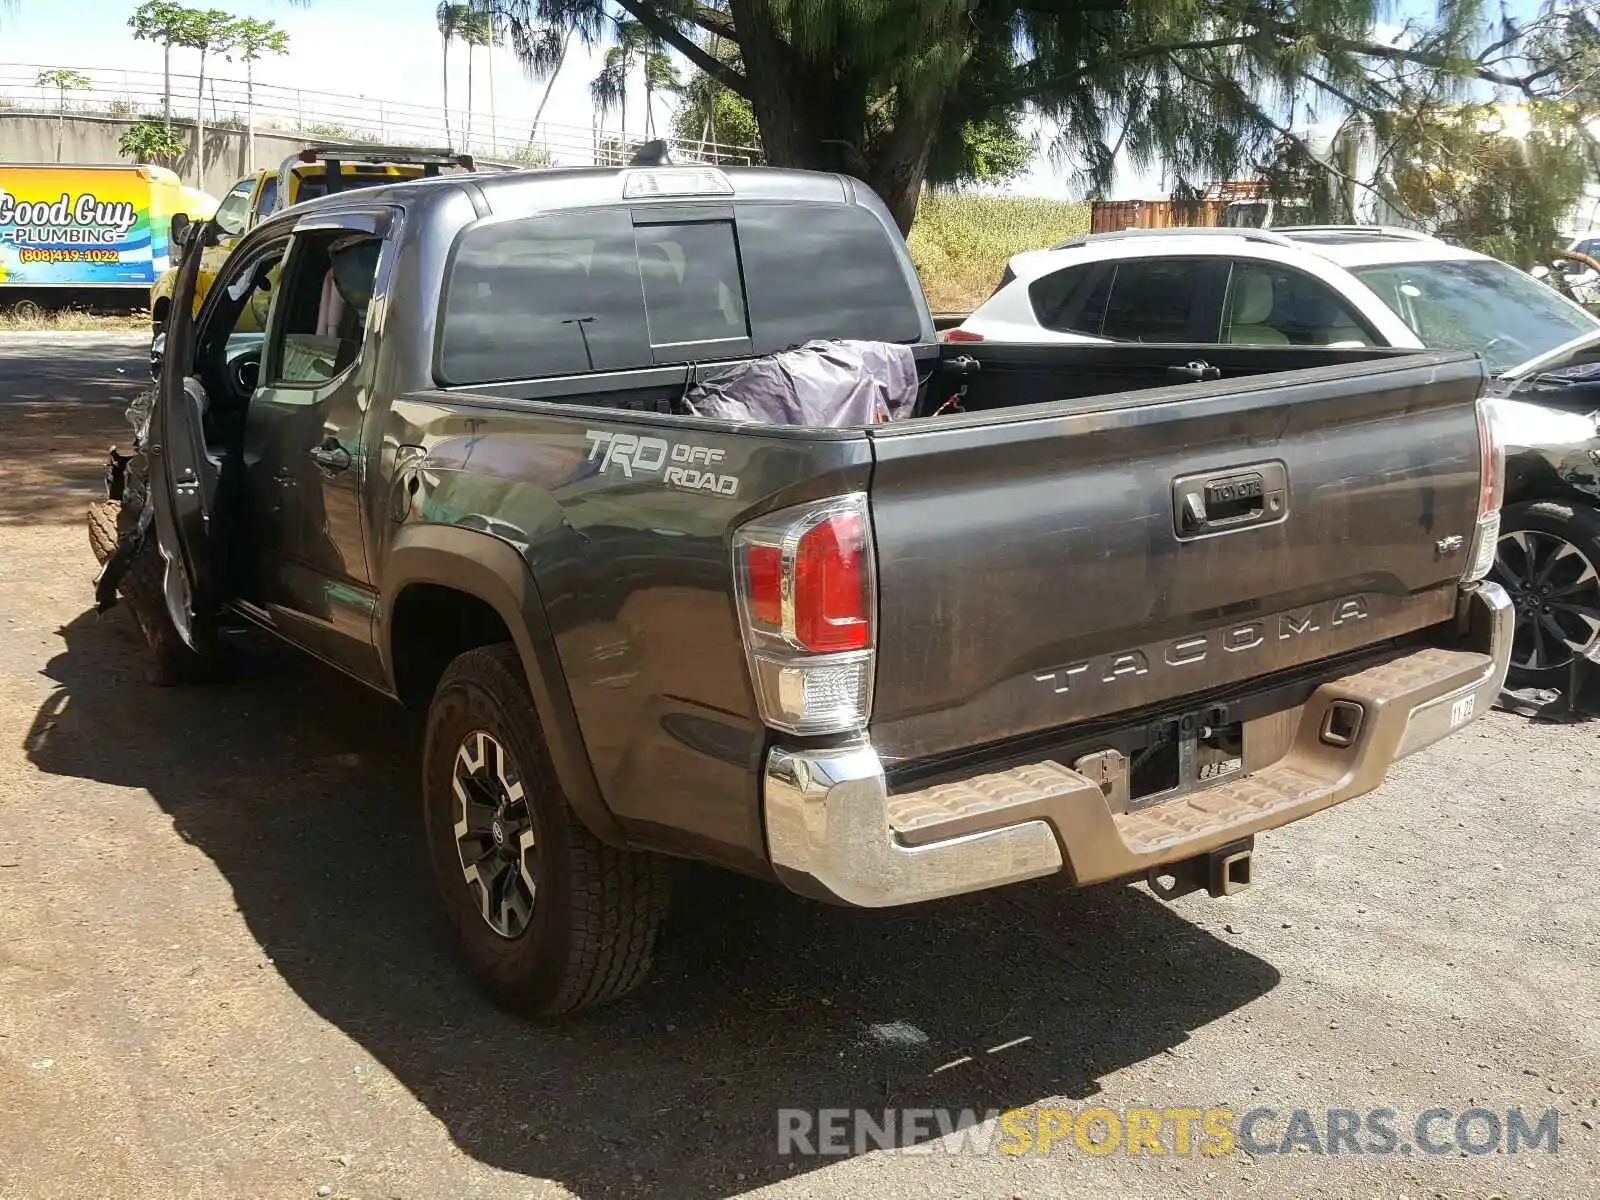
1542 442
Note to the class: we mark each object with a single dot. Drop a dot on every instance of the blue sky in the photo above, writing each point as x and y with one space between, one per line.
333 48
333 44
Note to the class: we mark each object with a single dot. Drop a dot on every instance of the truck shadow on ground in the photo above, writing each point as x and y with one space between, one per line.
300 787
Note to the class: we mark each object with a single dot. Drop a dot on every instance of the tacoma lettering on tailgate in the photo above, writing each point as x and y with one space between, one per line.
1241 638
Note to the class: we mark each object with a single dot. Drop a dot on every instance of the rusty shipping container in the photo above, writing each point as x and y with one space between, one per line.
1108 216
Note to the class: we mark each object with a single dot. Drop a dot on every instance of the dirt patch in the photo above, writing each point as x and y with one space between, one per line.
62 400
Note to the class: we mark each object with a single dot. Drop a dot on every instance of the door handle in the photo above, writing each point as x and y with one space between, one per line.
1257 494
331 456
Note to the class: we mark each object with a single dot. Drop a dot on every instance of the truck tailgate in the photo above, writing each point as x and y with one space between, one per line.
1105 554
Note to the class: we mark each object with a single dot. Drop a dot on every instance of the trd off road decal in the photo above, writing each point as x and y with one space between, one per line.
683 465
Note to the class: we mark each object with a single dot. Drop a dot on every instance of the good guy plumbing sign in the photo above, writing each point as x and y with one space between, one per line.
72 226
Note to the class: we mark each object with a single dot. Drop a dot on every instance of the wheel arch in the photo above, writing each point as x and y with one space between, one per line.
437 561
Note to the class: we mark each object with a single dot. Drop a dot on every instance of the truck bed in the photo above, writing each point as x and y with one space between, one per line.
1032 576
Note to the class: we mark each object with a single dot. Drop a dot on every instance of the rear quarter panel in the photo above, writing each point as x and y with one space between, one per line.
635 579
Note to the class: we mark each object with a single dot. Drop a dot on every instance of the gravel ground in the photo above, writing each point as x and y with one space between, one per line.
219 973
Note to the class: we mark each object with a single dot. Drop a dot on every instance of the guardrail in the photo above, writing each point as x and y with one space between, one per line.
330 116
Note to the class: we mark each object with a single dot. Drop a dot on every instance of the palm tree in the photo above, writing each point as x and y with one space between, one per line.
542 52
609 89
206 30
659 76
450 19
254 40
164 22
476 28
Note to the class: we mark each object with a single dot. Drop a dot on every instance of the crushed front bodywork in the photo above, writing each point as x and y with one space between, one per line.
1547 413
1543 442
127 482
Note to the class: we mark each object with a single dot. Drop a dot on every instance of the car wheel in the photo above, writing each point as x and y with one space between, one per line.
544 916
1548 560
103 516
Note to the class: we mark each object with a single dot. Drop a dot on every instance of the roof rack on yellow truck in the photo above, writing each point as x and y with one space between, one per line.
319 169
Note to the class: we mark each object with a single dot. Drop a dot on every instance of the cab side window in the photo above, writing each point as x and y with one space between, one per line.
234 212
1272 305
326 295
267 198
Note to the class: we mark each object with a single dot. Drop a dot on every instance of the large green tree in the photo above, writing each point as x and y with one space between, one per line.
1502 191
887 89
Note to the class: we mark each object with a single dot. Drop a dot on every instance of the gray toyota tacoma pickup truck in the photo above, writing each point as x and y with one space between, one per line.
1099 612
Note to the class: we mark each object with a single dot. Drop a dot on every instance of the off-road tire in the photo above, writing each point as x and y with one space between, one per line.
1576 524
103 515
596 910
172 661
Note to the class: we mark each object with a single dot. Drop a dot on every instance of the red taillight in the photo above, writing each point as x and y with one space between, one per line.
962 335
765 565
830 586
807 601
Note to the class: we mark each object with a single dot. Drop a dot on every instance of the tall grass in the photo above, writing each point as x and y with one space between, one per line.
70 320
960 243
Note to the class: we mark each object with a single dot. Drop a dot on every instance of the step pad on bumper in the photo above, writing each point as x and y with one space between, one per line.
984 797
1308 777
1219 807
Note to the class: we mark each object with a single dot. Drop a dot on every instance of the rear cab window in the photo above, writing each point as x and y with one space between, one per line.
620 288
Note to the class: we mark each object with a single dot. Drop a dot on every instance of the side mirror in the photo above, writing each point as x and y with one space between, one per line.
1542 272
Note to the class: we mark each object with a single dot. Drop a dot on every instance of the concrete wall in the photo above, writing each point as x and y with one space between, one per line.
31 138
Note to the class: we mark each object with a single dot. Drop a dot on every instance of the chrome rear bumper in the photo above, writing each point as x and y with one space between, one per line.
835 832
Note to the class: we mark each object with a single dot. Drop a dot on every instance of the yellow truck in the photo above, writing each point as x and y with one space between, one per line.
317 170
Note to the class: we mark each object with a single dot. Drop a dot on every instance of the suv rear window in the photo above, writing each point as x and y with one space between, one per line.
612 289
1073 299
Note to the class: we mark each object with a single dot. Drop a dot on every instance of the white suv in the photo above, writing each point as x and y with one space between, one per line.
1305 286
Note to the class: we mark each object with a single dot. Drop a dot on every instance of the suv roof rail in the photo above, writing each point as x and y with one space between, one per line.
1377 231
1248 233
